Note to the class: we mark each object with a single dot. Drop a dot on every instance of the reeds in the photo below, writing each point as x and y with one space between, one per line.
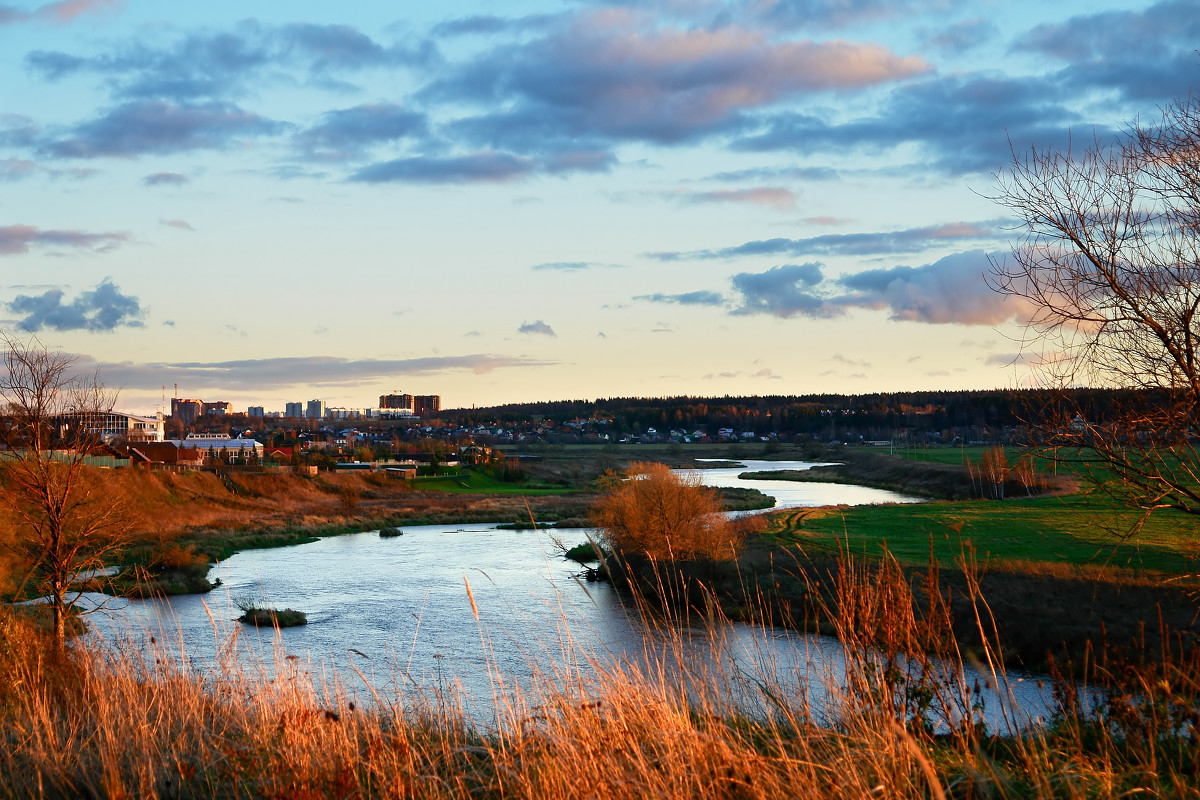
137 723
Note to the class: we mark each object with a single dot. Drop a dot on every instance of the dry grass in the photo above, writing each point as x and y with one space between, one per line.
95 724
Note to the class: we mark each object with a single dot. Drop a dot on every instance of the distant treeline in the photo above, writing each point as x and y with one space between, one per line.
986 414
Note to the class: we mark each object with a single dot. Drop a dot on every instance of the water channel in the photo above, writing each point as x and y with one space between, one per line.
395 613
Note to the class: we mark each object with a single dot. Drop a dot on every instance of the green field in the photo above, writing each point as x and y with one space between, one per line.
1075 529
473 482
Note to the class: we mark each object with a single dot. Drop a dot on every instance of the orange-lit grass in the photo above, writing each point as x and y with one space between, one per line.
90 723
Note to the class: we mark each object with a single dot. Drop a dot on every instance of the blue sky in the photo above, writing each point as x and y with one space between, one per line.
272 202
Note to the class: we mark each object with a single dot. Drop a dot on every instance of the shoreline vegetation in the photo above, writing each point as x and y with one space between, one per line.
912 592
900 721
1058 577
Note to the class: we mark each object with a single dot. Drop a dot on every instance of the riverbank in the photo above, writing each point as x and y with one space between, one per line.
80 723
931 479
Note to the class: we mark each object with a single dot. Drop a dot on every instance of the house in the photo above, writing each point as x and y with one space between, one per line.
141 453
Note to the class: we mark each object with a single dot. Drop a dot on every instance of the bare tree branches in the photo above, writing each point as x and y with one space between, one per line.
67 520
1109 265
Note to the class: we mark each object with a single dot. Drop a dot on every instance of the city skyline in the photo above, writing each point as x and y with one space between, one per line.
260 202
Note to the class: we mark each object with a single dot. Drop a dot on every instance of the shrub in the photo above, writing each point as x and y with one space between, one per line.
665 515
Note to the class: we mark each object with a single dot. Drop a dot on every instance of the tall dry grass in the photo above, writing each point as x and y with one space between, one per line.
99 723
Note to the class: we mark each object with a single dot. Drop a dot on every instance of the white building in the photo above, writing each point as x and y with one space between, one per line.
118 425
218 441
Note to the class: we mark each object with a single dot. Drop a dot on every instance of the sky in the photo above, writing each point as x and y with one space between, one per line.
265 203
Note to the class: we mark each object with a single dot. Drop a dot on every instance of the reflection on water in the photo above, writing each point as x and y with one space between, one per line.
398 609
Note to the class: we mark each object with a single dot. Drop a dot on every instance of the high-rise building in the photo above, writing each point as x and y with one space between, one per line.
426 404
219 407
294 410
315 409
396 401
186 410
256 411
419 405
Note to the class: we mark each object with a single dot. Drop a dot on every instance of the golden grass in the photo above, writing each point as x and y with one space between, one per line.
103 724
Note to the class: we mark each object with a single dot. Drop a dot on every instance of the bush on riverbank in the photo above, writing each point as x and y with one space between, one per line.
268 617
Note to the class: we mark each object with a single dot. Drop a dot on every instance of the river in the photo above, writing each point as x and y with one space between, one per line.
397 612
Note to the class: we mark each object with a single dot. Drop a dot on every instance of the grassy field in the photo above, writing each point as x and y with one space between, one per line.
1074 529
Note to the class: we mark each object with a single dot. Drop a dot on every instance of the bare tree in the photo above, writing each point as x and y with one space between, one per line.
68 519
1109 268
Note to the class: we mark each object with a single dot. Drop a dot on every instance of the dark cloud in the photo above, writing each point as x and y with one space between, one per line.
1148 55
784 291
685 299
539 328
104 308
200 66
949 291
490 25
1141 35
217 66
156 126
910 240
271 373
166 179
612 75
345 133
961 123
483 167
17 239
342 47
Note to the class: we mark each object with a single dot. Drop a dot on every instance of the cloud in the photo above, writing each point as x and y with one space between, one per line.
156 127
482 167
685 299
565 266
18 239
1146 55
777 173
104 308
17 130
959 123
219 65
948 291
539 328
344 133
784 291
61 12
614 75
272 373
490 25
16 169
176 223
962 36
772 196
831 13
166 179
909 240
